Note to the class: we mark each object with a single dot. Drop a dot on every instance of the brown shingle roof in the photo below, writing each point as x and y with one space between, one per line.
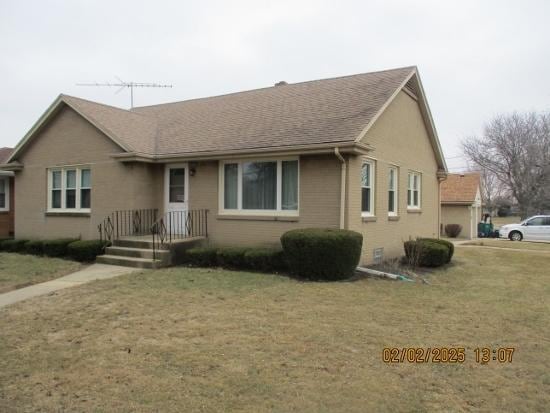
5 154
460 188
315 112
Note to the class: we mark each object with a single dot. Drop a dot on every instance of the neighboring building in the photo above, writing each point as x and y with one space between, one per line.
358 152
461 203
6 197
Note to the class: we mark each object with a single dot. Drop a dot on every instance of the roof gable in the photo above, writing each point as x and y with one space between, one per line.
131 132
460 188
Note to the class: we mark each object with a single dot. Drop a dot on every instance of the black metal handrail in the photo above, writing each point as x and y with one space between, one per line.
177 225
127 223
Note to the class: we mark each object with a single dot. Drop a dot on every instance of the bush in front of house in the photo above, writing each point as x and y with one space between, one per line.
231 257
13 245
322 253
239 258
450 246
86 251
201 257
265 259
34 247
453 230
57 247
426 253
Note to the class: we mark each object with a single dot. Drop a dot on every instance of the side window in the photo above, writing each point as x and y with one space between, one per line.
547 221
536 221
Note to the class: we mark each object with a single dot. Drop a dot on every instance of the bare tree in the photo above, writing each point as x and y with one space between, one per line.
516 150
491 190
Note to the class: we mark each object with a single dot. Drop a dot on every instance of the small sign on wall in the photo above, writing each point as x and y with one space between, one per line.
378 255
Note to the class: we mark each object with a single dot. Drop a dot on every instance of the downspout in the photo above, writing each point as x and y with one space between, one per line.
343 171
441 176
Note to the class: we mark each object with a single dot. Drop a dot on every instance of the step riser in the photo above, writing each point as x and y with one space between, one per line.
137 253
135 244
128 263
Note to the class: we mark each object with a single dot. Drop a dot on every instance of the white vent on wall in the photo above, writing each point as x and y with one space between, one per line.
378 255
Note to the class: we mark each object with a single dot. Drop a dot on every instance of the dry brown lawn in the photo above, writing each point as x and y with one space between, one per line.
212 340
18 271
506 243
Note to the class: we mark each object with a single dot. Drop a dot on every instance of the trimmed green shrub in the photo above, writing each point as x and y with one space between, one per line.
426 253
14 245
265 259
56 247
1 241
322 253
231 257
450 246
34 247
201 257
86 251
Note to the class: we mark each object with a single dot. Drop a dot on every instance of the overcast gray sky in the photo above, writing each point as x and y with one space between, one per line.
476 58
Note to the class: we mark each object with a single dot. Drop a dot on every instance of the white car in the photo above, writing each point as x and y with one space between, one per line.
536 228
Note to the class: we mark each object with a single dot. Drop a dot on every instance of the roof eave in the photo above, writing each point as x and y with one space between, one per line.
345 147
12 166
457 202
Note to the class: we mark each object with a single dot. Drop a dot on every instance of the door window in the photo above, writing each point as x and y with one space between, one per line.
536 221
177 185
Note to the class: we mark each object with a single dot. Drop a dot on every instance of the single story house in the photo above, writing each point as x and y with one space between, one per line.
461 203
359 152
7 210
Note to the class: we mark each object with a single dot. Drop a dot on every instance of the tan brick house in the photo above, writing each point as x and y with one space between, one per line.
461 203
358 152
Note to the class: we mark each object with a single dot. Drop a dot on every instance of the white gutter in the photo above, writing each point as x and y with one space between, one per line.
342 187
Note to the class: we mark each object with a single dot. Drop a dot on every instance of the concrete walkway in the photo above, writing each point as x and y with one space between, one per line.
91 273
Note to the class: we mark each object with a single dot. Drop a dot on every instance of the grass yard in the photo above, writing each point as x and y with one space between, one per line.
18 271
211 340
505 243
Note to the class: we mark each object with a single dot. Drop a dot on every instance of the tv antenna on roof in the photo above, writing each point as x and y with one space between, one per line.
122 85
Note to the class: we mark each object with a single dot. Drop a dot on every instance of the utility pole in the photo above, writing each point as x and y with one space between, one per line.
122 85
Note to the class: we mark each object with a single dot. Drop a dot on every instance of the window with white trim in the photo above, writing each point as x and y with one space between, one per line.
69 189
367 188
413 190
263 186
392 191
4 193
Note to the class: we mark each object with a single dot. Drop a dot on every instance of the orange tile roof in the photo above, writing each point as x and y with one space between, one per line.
460 188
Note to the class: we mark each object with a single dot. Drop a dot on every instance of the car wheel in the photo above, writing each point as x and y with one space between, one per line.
515 236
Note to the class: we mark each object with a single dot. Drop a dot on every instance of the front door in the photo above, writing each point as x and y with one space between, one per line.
176 193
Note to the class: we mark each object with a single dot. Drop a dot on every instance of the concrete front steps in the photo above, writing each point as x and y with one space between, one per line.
138 252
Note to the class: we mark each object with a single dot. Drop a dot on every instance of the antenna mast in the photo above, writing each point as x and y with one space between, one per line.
122 85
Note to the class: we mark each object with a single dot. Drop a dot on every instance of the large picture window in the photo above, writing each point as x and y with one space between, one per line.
69 189
367 188
264 186
4 193
392 191
413 191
